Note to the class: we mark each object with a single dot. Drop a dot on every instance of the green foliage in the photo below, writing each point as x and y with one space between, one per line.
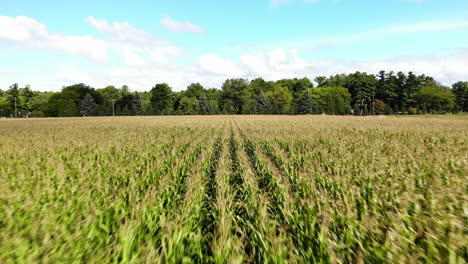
5 108
161 98
124 104
460 90
296 85
435 99
27 99
393 92
110 93
136 107
262 107
412 111
320 80
306 105
228 107
67 102
332 100
63 104
194 90
379 107
124 90
280 100
189 106
233 95
87 106
82 90
13 97
205 107
361 86
259 84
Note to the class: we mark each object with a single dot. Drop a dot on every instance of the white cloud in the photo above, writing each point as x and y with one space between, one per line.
275 64
29 33
214 64
176 26
7 71
211 70
133 59
20 28
444 68
164 55
283 63
138 47
121 30
147 60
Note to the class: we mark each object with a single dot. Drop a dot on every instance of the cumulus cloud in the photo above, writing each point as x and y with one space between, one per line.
281 63
137 47
164 55
176 26
444 68
275 64
30 33
20 28
121 30
148 60
211 70
216 65
7 71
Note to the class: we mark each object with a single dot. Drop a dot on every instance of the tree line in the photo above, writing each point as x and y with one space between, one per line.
358 93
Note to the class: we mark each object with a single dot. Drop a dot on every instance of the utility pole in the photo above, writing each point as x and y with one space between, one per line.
362 105
113 112
16 109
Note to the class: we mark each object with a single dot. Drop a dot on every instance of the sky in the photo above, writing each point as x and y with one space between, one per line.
49 44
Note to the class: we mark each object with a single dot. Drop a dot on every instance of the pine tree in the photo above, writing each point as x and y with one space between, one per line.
162 99
262 104
305 104
135 107
87 105
205 108
460 90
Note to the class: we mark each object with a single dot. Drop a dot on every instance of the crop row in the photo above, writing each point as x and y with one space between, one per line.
250 189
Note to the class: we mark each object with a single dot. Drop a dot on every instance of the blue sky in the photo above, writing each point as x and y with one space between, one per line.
49 44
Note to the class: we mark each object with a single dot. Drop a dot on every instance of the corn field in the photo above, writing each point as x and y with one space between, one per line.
234 189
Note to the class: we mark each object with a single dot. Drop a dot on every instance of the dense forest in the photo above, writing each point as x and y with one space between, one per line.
343 94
